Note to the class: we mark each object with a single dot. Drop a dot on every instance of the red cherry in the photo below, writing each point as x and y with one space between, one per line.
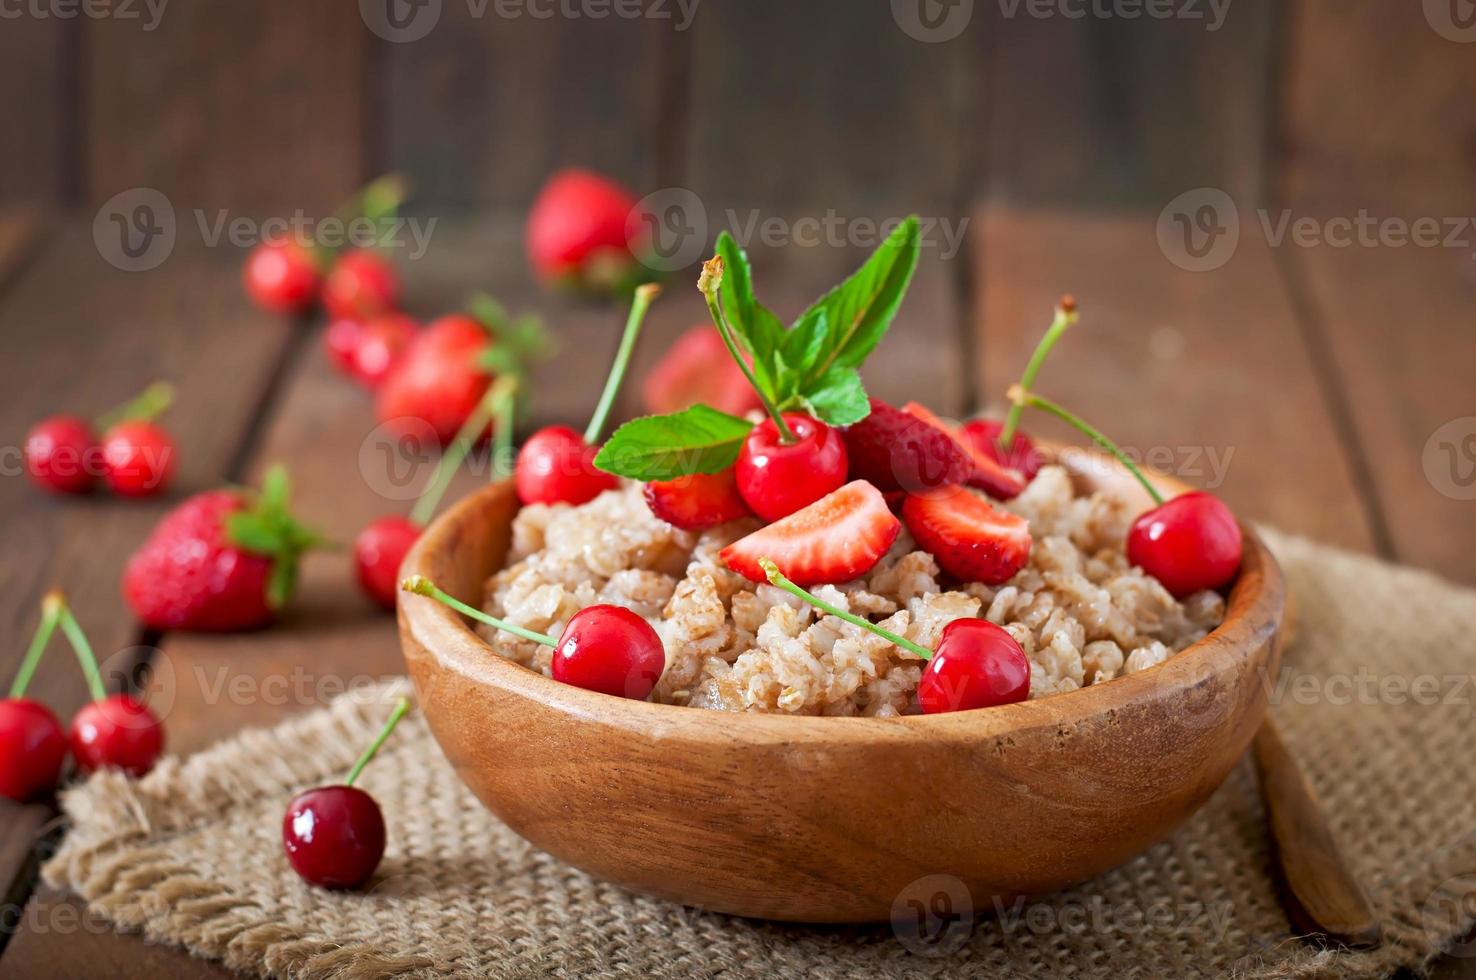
1189 543
340 340
139 458
975 665
117 732
777 479
381 342
62 454
611 650
379 550
556 466
1023 457
437 381
362 284
281 277
32 749
334 836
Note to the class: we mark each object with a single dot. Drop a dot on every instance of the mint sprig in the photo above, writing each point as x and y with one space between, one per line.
813 366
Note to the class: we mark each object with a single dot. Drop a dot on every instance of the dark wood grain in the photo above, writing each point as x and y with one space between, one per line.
1195 367
484 107
254 107
1376 107
1396 325
30 75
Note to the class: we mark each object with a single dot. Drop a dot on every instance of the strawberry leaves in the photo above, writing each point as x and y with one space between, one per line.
267 528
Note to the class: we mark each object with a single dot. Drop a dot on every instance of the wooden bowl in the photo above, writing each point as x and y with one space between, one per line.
831 819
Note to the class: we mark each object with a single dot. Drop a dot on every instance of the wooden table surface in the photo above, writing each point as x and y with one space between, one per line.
1306 383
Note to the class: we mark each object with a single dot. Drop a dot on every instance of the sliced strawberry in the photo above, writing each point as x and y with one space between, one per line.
836 539
988 475
971 539
895 451
697 502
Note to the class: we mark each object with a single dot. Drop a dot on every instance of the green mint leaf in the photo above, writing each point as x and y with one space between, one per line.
839 398
758 331
803 345
663 447
861 308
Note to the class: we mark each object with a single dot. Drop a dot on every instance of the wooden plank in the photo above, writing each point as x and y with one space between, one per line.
91 336
484 107
30 77
1195 368
255 107
1397 324
869 114
1376 105
1111 110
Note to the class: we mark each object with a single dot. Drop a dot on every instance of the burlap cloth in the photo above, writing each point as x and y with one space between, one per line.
191 855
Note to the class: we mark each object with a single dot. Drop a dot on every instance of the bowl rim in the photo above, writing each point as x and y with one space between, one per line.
1253 615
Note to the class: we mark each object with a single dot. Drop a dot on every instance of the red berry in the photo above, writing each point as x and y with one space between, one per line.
697 502
362 284
836 539
778 479
1192 542
139 458
582 231
117 733
437 380
379 550
32 749
976 665
381 342
893 450
556 466
340 340
62 454
334 836
1023 457
281 277
698 368
987 474
971 539
611 650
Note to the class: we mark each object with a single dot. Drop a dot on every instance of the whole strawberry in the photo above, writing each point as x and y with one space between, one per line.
222 561
438 379
584 232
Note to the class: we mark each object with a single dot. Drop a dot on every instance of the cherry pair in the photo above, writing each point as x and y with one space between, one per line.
603 648
368 350
135 457
117 731
334 836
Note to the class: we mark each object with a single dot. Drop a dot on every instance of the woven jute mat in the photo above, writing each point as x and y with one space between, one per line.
1376 700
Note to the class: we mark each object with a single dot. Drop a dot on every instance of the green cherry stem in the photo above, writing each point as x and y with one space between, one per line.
777 578
384 733
1023 398
644 295
502 427
50 617
710 282
420 585
80 644
1066 316
152 402
461 446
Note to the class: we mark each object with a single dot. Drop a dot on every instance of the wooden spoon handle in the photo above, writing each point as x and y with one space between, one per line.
1322 894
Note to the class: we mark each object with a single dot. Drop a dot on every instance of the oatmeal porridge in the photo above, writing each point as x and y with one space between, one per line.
1079 610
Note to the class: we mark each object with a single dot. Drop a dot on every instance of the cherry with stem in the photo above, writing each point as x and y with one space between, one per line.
603 648
710 284
33 745
975 665
1066 317
116 731
334 836
1190 543
138 455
